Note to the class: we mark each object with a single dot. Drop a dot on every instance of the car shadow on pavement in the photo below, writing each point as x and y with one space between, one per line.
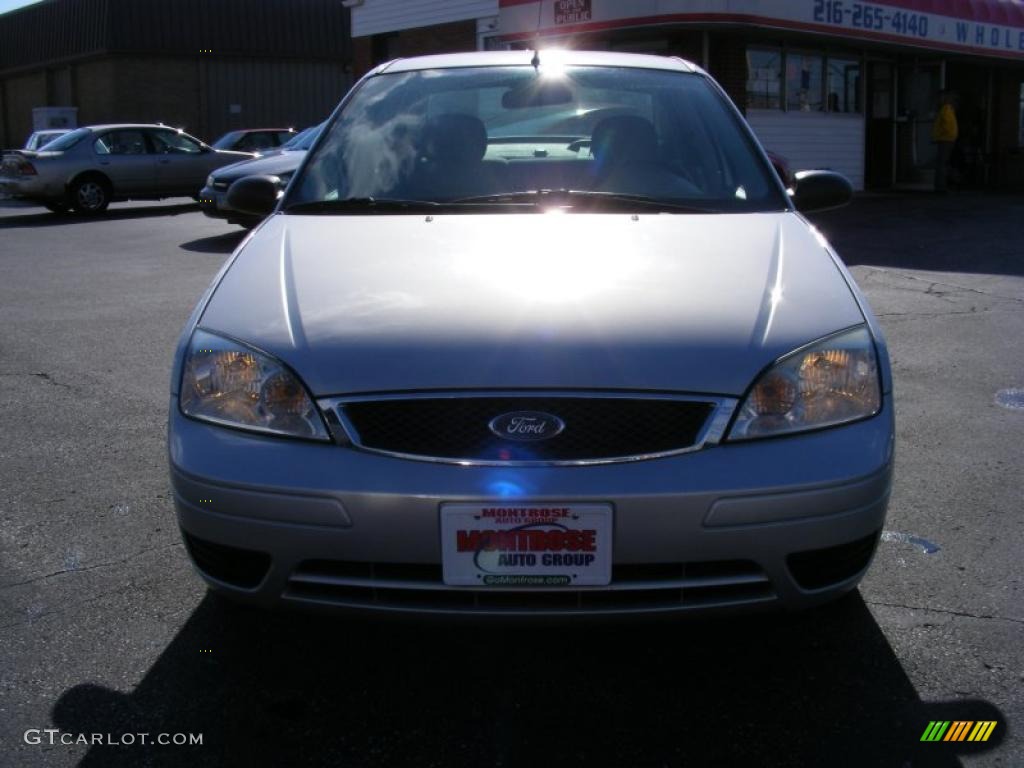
969 232
286 688
225 243
40 217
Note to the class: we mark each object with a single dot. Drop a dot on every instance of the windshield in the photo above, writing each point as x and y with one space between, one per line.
227 140
304 139
505 136
68 140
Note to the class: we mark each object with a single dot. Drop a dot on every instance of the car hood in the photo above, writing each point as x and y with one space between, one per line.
235 156
684 303
285 161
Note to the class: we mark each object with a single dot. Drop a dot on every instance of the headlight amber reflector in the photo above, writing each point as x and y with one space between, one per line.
830 382
227 383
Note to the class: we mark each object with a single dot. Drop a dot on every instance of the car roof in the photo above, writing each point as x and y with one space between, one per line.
259 130
109 126
525 58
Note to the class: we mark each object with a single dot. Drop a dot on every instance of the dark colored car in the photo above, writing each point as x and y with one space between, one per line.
781 166
281 163
257 140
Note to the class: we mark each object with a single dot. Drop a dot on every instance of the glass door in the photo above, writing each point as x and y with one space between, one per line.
878 155
917 100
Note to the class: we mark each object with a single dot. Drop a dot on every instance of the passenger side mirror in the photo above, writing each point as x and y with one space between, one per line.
255 195
820 190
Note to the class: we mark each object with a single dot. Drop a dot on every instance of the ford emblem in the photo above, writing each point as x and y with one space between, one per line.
526 426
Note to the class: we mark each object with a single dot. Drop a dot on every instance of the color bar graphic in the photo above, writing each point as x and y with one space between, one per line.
958 730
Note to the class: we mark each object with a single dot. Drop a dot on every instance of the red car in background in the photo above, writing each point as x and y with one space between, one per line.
781 166
256 140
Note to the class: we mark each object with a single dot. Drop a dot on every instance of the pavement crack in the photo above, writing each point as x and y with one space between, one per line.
106 564
62 609
946 611
39 375
972 311
932 283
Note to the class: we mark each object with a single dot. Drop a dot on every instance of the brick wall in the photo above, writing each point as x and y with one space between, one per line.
196 94
94 90
157 89
457 37
21 95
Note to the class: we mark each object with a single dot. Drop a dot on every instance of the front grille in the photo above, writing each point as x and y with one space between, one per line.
634 588
596 428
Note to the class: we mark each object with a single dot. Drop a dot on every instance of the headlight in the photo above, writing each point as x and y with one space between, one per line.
209 180
830 382
228 383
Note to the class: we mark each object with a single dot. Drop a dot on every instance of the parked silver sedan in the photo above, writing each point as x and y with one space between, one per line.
90 167
464 369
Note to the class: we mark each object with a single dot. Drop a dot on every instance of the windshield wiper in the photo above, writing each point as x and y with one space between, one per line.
554 196
361 204
391 204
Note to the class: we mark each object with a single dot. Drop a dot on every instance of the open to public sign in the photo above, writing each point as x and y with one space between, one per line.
572 11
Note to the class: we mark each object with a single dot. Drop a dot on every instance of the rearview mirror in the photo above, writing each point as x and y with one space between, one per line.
256 195
537 93
820 190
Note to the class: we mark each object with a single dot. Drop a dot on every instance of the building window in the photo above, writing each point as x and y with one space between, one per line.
812 82
804 82
764 78
843 85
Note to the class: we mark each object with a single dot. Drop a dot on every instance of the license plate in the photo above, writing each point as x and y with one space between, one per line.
536 545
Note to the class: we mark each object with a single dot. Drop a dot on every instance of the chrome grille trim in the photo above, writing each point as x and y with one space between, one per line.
682 583
344 433
741 582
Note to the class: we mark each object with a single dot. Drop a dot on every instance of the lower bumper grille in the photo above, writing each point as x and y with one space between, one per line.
238 567
634 588
461 427
820 568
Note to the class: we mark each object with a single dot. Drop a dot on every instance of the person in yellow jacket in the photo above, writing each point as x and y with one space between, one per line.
944 134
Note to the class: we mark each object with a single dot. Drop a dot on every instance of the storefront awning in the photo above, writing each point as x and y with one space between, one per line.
980 27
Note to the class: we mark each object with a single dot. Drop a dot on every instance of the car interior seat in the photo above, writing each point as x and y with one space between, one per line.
452 163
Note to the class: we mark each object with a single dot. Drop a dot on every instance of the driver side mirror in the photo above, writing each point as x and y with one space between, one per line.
820 190
255 195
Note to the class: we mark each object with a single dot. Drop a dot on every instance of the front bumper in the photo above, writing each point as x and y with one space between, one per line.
788 522
212 202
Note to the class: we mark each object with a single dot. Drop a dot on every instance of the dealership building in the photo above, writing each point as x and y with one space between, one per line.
208 66
851 86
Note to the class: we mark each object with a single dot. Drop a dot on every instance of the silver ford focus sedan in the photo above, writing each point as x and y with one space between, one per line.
533 333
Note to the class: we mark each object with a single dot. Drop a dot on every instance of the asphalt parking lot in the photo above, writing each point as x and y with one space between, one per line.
104 628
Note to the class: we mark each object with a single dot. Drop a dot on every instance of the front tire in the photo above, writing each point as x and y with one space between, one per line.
90 195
